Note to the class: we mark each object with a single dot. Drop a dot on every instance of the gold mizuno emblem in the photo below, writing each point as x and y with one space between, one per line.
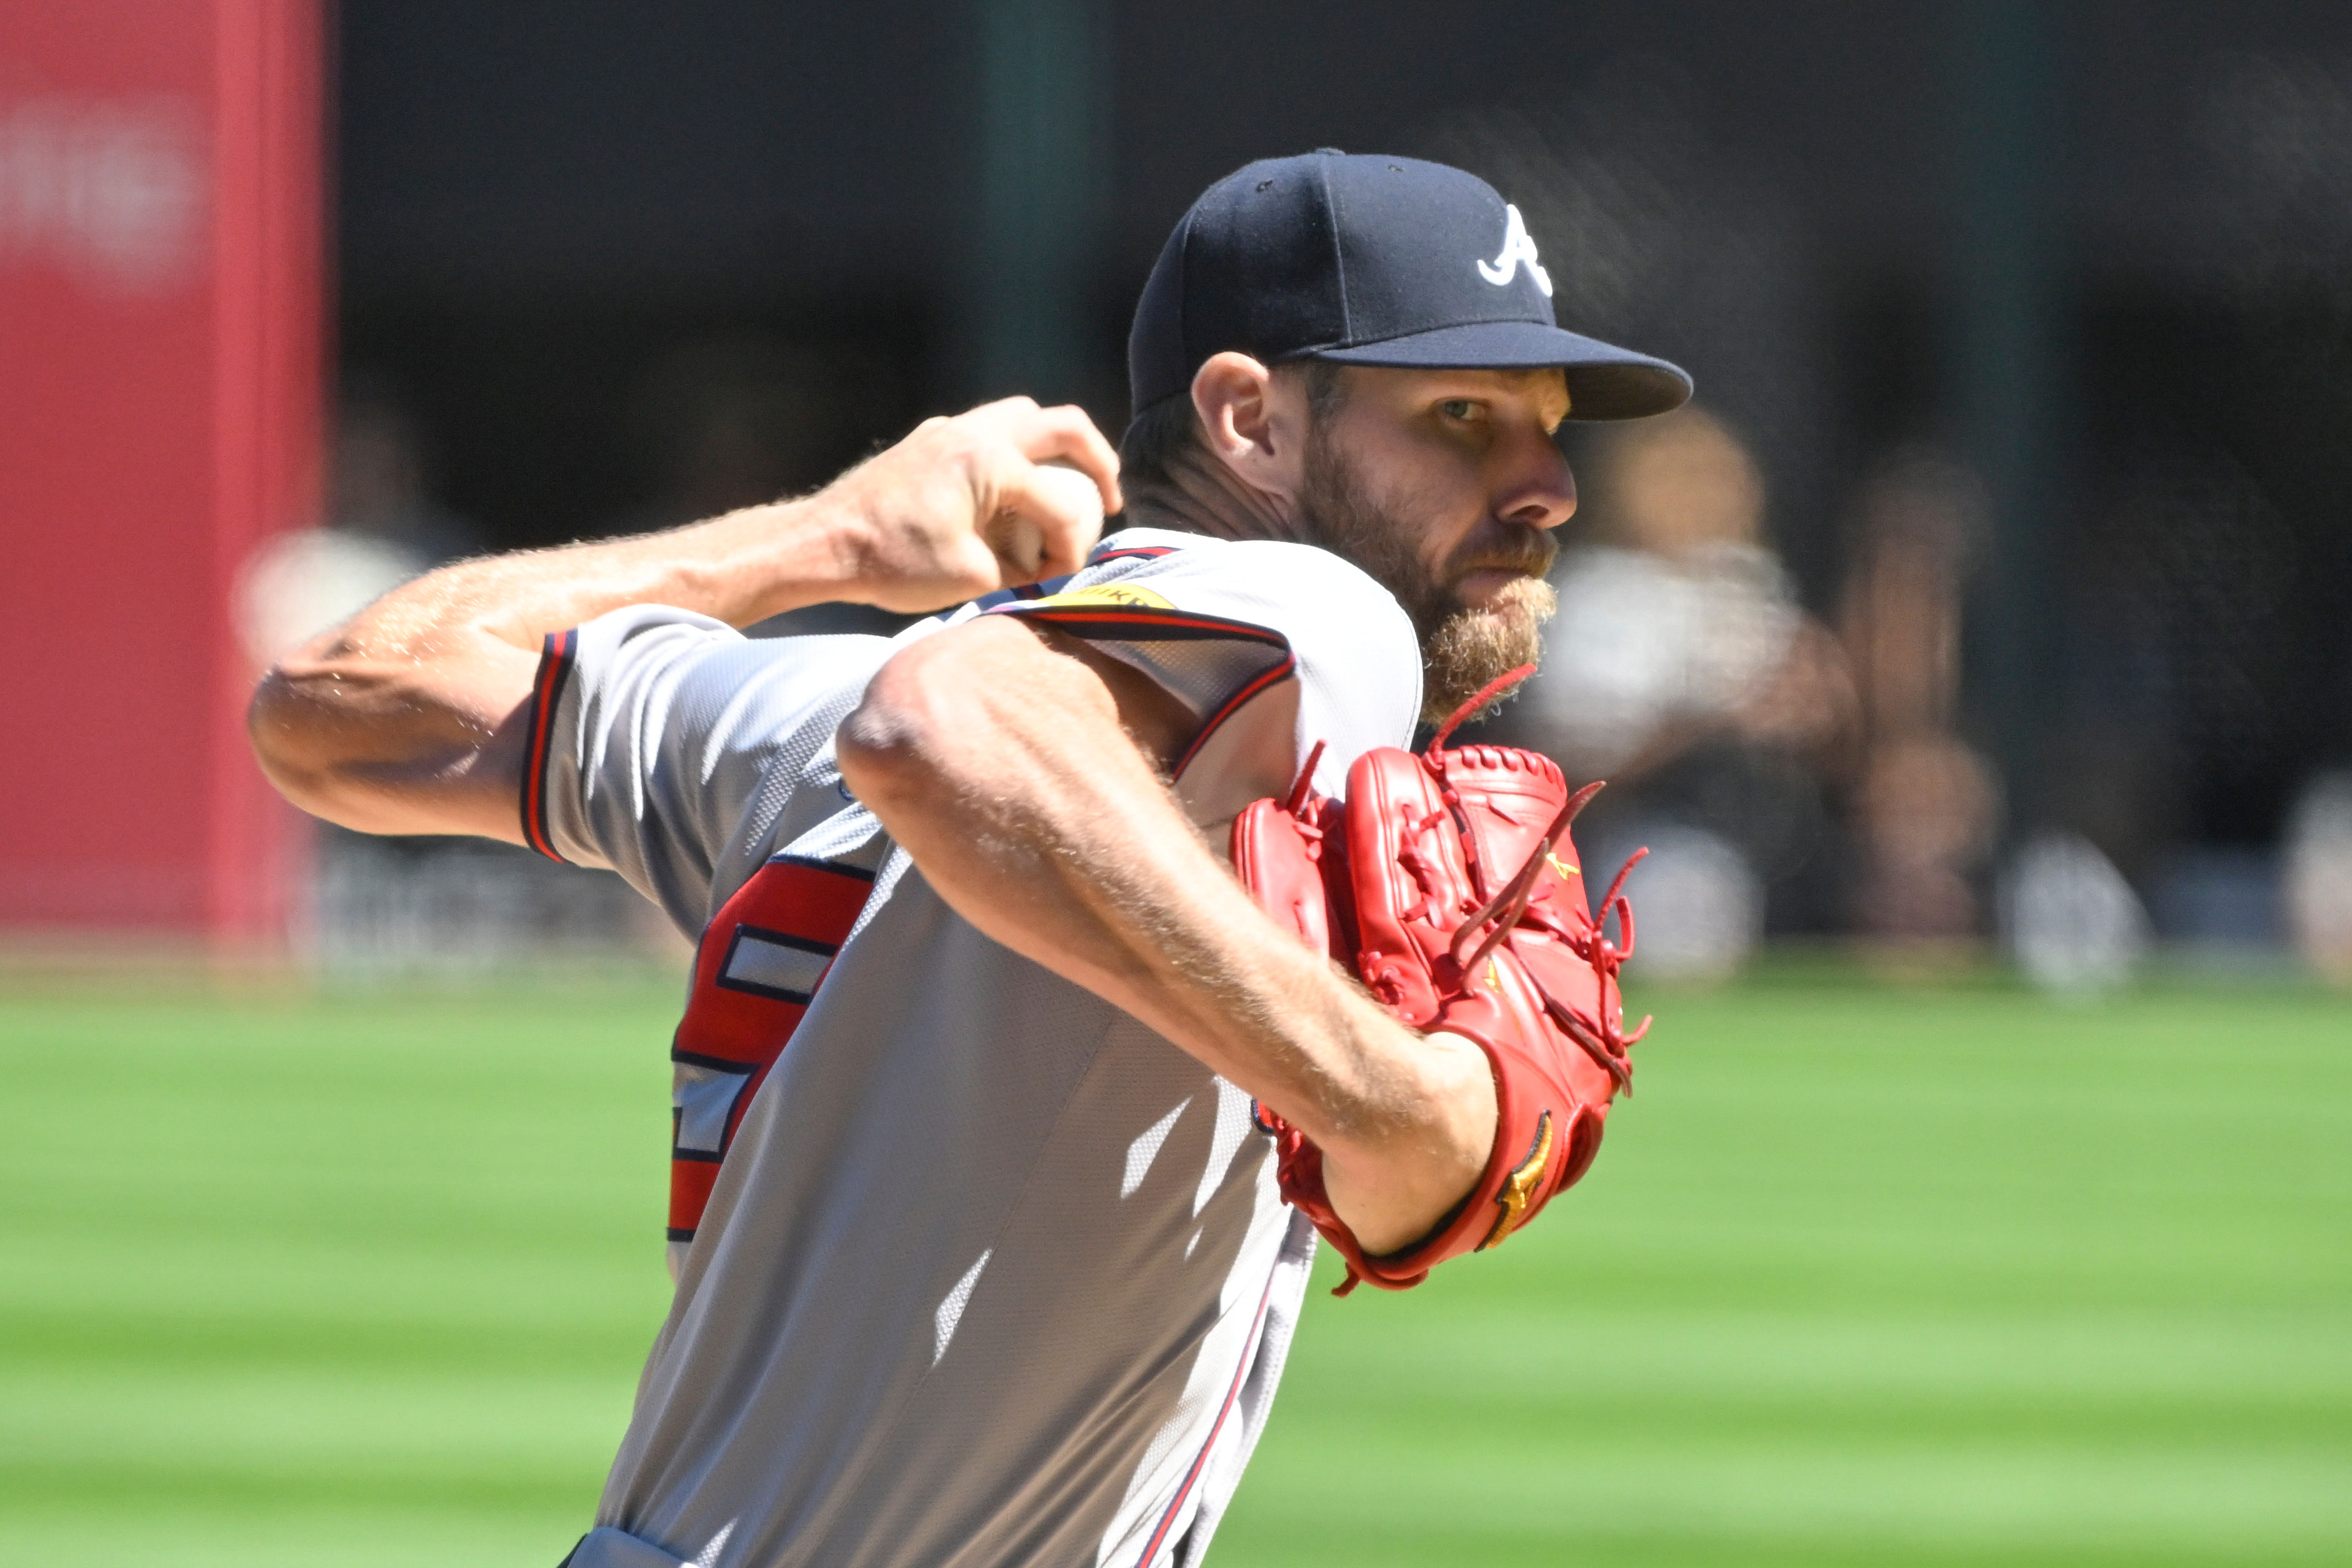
1560 866
1519 1186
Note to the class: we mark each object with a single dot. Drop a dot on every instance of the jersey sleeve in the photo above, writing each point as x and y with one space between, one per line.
1272 646
663 745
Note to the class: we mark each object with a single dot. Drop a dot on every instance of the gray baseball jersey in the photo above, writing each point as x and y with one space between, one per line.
973 1267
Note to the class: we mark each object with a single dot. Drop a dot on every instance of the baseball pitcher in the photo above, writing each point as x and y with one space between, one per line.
1066 963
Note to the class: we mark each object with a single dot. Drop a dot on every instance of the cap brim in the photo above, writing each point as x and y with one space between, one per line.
1604 382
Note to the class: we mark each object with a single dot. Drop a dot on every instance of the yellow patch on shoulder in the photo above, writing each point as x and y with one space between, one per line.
1108 595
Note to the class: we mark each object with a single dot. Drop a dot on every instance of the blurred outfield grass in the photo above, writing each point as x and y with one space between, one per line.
1865 1276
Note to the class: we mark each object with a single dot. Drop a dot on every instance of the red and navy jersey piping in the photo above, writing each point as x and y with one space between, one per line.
1144 623
1233 705
1200 1462
557 656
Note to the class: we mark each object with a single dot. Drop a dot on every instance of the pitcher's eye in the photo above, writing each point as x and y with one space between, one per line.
1460 408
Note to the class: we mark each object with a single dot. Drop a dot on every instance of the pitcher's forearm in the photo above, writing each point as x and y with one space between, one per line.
404 709
405 702
406 719
740 568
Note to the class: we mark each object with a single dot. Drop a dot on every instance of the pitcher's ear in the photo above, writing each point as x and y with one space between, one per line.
1254 421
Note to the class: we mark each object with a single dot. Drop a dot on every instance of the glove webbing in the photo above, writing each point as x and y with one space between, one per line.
1599 1039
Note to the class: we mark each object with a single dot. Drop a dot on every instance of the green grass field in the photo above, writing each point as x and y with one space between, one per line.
1865 1276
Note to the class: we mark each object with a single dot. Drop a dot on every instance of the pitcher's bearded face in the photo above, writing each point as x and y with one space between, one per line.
1468 563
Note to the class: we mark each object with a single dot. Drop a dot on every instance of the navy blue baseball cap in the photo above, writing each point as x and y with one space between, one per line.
1370 260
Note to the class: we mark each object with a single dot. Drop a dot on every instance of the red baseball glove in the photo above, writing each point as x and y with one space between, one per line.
1448 884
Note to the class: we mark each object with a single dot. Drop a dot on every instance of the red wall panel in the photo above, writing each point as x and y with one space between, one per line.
160 370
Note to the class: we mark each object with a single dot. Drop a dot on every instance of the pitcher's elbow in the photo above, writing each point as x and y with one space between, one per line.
886 747
270 726
280 723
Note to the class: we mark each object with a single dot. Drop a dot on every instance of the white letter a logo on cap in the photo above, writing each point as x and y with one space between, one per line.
1516 247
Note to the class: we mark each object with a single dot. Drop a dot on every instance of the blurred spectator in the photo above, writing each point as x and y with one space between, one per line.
2074 924
2319 876
1676 623
1925 807
1925 810
390 906
382 529
1701 904
727 422
1681 668
382 479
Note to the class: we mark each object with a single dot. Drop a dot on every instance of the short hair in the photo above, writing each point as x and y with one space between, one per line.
1159 439
1156 441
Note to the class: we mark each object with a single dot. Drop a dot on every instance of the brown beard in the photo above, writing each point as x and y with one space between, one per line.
1463 645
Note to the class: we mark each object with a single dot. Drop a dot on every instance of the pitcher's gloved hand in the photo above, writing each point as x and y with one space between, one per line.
1446 881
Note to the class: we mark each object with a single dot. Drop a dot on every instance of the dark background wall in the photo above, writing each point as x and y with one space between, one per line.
2100 252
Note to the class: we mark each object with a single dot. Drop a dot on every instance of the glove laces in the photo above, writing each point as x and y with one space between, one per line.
1601 1038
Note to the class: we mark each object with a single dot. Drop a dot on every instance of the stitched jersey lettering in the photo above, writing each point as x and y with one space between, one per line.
756 971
